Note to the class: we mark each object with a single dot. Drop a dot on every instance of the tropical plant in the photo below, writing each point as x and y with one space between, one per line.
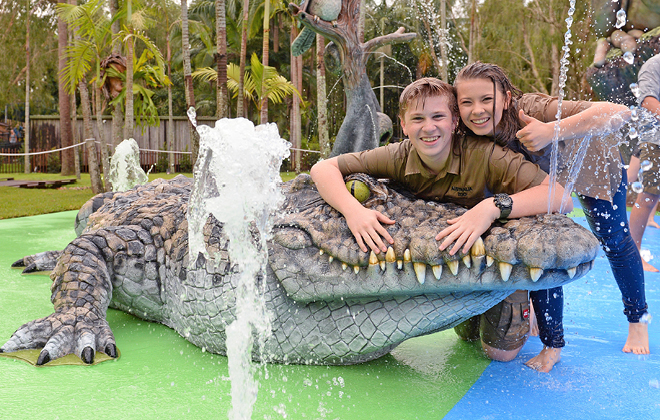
275 86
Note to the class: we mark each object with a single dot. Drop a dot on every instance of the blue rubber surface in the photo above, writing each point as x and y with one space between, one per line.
594 379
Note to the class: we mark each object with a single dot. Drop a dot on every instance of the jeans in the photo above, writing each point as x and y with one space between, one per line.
609 223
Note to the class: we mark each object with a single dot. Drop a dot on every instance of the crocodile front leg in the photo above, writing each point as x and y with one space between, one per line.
81 293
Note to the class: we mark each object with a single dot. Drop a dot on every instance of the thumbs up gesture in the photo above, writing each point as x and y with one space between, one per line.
535 135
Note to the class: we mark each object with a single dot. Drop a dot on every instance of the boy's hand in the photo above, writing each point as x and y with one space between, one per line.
365 224
466 228
536 134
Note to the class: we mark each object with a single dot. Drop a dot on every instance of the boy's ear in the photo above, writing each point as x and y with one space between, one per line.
403 126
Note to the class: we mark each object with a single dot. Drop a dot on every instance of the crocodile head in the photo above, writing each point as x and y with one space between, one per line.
315 256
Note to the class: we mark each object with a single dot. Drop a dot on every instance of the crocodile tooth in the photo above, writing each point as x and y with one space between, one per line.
356 269
467 261
373 259
382 265
344 266
476 260
437 271
399 264
571 272
420 271
505 270
489 260
406 256
478 248
453 266
330 259
535 273
389 256
320 252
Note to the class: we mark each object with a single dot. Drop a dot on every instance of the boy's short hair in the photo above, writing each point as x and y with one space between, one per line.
428 87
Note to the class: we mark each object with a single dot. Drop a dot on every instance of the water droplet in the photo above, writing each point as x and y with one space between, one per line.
620 18
629 57
646 319
653 383
634 88
637 187
633 111
646 166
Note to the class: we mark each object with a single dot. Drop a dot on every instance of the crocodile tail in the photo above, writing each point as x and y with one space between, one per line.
303 42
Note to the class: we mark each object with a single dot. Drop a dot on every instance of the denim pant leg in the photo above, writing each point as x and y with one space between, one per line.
609 223
549 309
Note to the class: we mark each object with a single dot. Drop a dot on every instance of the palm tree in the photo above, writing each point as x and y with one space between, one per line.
221 59
66 134
190 94
244 36
262 83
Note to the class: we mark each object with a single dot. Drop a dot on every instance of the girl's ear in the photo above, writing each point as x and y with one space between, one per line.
507 101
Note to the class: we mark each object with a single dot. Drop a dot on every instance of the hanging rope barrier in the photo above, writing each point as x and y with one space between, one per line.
142 150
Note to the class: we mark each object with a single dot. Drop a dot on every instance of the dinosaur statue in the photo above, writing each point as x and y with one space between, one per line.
364 126
329 302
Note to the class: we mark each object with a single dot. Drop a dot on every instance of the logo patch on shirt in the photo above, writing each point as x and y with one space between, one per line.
525 313
461 191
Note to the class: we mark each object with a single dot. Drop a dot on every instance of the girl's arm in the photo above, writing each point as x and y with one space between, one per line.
600 117
466 228
365 224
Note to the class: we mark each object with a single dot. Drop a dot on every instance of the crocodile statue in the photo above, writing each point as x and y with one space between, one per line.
329 302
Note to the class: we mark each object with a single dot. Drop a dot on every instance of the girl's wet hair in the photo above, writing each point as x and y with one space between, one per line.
428 87
509 124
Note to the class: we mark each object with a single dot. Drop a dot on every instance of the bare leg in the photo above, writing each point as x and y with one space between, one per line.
638 338
639 216
533 325
633 169
546 360
499 354
651 222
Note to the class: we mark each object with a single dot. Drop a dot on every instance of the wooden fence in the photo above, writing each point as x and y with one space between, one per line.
45 135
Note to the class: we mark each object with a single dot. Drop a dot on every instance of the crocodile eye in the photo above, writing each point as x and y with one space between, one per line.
359 190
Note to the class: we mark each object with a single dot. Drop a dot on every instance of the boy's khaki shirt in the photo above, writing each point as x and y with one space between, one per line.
476 168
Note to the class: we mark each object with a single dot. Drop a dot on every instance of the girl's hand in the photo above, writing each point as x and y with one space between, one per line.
536 134
365 224
466 228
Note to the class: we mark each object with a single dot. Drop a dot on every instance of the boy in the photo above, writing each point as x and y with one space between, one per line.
435 164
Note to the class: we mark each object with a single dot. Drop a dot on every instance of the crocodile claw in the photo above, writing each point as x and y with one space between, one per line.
87 355
111 350
44 357
19 263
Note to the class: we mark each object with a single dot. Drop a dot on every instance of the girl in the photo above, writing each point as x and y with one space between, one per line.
490 105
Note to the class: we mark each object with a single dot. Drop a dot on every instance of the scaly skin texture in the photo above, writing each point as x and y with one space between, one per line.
328 302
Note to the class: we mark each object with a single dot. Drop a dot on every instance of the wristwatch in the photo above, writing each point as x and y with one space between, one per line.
504 203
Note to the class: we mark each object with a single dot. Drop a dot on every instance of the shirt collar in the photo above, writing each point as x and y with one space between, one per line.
414 165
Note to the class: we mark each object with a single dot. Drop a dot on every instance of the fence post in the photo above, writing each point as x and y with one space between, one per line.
94 174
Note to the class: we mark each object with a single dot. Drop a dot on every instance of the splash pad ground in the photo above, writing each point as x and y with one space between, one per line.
160 375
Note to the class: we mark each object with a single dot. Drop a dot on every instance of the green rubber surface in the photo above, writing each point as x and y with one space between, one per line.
161 375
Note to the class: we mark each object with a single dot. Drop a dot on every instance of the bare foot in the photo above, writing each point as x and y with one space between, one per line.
533 326
545 361
652 223
638 338
648 267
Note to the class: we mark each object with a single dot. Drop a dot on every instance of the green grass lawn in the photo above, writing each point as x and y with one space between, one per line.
19 202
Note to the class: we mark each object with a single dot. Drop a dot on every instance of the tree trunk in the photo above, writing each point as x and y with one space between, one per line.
324 139
128 120
92 162
443 40
170 120
241 71
66 137
105 159
27 90
222 96
117 116
187 77
294 125
77 151
263 115
473 30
